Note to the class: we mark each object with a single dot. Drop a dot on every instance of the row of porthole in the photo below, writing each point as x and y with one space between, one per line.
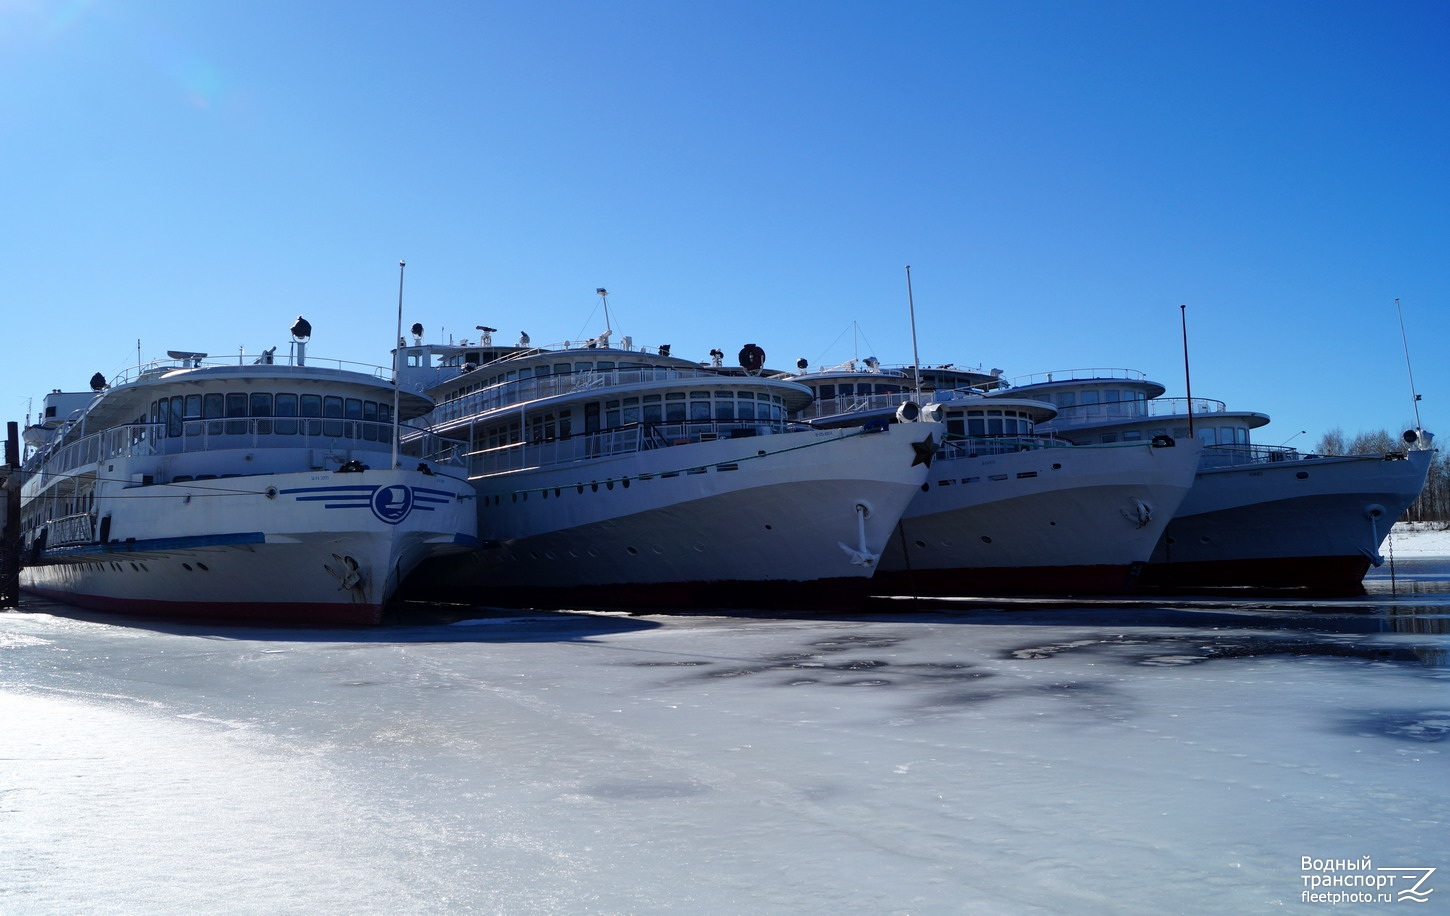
523 495
1022 475
113 565
986 539
594 486
136 567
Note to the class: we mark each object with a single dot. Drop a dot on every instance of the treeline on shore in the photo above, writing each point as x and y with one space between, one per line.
1433 503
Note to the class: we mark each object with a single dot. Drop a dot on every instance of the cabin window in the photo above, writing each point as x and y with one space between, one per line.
261 406
976 426
193 407
416 359
212 410
724 405
566 425
591 417
699 405
653 410
631 411
332 409
236 412
826 392
370 430
1133 435
312 407
1208 435
675 407
611 414
287 407
352 408
956 427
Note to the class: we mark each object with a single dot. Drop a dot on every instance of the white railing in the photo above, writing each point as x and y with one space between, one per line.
521 391
1075 375
247 360
621 441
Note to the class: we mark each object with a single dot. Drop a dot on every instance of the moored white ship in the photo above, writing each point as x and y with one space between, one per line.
261 490
1007 510
1256 516
611 476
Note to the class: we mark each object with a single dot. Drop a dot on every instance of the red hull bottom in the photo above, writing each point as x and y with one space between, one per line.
1038 580
1317 574
273 613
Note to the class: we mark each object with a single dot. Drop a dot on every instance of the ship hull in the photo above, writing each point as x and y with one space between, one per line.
1082 519
787 520
311 547
1314 523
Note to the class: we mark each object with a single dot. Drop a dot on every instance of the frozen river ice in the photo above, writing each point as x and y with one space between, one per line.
1138 756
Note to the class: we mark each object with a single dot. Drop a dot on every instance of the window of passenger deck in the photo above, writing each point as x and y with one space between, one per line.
212 410
675 407
699 405
370 430
630 411
332 410
286 407
260 405
653 409
353 412
312 407
236 408
724 405
745 405
611 414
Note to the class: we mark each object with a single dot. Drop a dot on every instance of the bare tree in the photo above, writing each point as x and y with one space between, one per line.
1331 443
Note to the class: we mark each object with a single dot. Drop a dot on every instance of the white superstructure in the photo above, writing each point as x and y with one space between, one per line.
1005 508
252 489
610 475
1257 515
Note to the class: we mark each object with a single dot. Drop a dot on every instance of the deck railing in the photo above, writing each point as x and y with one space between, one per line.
635 437
523 391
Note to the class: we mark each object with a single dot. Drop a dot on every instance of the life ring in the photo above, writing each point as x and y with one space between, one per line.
752 358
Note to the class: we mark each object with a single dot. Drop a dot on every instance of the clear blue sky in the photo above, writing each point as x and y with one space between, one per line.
1061 176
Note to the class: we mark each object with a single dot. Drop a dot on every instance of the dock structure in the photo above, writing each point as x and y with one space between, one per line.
10 516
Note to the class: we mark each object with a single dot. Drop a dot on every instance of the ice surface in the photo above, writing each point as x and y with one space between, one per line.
1021 757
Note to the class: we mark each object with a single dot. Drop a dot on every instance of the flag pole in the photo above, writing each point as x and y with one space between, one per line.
397 352
916 357
1187 380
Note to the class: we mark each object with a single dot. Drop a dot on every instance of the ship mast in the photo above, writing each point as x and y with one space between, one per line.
915 356
397 352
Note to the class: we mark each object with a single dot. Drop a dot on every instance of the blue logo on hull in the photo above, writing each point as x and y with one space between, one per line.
390 504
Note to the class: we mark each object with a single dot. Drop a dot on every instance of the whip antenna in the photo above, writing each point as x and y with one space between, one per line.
916 357
1414 397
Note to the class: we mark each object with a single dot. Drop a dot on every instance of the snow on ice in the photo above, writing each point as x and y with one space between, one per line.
1019 757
